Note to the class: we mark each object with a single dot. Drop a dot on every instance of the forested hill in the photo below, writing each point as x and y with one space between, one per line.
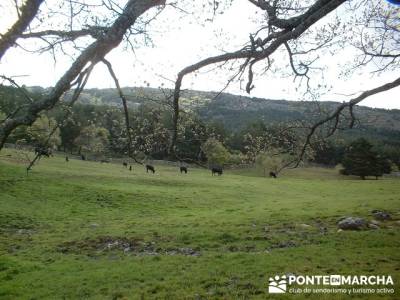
235 111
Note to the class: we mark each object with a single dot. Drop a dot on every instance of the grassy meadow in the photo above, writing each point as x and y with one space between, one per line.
86 230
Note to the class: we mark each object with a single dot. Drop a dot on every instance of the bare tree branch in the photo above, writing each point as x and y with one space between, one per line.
94 31
126 111
336 114
92 54
27 12
80 82
292 29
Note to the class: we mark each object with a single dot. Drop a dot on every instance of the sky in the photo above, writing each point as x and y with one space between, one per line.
179 40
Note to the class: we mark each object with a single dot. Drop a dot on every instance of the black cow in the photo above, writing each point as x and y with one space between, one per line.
130 168
217 170
42 151
151 168
125 164
83 157
66 159
272 174
183 169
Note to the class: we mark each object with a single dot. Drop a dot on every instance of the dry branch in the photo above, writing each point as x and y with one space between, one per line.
92 54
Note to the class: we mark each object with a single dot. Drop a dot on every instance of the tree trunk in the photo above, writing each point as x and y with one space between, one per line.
92 54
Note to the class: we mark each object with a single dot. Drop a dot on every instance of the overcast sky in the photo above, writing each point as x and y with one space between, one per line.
178 42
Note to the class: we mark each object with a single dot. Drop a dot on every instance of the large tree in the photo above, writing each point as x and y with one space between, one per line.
361 160
216 153
305 31
93 140
104 36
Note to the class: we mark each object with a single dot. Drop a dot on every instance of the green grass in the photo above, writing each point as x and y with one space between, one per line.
85 230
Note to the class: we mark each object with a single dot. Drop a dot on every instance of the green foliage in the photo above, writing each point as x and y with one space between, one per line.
43 132
12 98
236 158
93 139
328 153
150 135
258 139
192 133
215 152
361 160
2 116
273 160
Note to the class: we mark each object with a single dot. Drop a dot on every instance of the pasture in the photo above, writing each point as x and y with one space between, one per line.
86 230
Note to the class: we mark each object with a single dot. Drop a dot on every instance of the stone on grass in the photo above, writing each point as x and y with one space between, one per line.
305 226
375 222
381 215
373 226
351 223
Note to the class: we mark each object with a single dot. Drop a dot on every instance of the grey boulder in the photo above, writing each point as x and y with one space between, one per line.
352 223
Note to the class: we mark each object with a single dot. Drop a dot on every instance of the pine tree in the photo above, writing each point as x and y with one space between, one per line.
361 160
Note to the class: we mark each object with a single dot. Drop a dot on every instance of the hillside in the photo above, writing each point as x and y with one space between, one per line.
235 111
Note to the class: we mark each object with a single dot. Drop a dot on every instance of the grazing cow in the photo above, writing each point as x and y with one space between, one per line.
217 170
151 168
125 164
83 157
272 174
66 159
183 169
40 151
130 168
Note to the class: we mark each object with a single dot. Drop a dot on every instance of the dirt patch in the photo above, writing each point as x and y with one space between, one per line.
106 244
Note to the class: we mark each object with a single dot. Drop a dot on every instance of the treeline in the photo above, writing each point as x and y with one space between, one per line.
99 131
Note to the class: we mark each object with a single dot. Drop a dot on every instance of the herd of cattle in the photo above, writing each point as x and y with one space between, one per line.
151 168
40 151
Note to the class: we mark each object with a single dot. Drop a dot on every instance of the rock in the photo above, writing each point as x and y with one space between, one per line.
113 244
323 230
375 222
183 251
94 225
381 215
373 226
286 244
290 274
340 230
305 226
351 223
342 218
188 251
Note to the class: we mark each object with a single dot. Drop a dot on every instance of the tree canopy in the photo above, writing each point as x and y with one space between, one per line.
361 160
